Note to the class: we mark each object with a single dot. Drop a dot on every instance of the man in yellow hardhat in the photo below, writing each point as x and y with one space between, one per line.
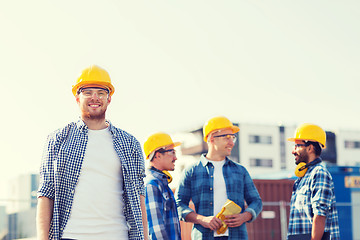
313 213
91 176
214 179
161 208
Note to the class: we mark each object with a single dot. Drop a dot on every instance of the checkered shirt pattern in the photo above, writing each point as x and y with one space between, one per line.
61 167
163 219
197 184
313 194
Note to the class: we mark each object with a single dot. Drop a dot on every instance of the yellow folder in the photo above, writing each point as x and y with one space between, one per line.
229 208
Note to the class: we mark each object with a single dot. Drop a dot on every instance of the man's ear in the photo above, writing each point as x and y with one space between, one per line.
77 97
311 148
109 98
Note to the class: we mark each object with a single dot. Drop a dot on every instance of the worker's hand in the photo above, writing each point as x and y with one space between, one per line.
237 220
211 222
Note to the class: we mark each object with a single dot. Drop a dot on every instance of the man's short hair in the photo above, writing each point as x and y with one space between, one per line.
317 147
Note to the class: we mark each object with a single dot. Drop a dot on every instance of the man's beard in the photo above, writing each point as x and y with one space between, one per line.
99 116
302 158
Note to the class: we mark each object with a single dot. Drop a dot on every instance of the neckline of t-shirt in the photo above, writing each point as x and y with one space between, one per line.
98 130
217 163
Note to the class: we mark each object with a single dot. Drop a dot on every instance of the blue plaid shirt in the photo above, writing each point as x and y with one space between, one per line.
161 208
313 194
197 184
61 167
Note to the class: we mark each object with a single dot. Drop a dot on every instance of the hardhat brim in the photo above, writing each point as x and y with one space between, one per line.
175 144
81 84
301 139
234 129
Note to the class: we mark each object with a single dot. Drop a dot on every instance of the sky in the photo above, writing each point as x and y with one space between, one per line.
174 64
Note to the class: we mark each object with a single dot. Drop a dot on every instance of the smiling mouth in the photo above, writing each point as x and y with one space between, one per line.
94 105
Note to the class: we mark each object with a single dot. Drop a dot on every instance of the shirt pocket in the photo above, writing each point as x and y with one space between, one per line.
301 198
167 201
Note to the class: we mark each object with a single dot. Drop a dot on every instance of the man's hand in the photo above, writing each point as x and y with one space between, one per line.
211 222
237 220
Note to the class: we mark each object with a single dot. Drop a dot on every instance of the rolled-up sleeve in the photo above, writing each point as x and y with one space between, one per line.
252 197
321 193
139 158
46 182
183 195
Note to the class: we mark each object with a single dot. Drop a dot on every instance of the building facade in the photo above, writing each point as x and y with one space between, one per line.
21 207
264 148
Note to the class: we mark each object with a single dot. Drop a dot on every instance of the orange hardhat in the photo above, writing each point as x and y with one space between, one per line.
217 123
94 75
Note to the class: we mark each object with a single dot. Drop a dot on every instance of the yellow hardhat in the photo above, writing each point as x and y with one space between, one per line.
157 141
310 132
217 123
94 75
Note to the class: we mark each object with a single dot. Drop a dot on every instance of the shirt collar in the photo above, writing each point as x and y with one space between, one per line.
318 160
204 161
83 127
159 174
112 129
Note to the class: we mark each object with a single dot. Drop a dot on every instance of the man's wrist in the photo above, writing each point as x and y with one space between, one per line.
247 216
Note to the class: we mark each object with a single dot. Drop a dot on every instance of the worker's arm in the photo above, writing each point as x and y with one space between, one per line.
44 214
144 217
318 227
210 222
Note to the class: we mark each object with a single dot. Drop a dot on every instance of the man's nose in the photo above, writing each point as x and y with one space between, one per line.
94 96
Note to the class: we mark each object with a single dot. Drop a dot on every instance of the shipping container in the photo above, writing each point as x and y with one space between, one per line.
272 221
347 191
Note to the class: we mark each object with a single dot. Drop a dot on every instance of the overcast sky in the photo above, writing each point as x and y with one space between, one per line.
174 64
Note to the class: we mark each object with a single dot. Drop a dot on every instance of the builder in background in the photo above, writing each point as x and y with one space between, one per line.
161 208
214 179
313 213
91 176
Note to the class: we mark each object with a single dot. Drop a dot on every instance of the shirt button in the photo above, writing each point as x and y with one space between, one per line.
211 189
210 203
211 176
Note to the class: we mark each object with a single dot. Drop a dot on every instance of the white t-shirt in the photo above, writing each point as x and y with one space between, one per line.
220 195
97 211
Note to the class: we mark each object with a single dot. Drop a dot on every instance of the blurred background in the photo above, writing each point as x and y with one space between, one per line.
266 65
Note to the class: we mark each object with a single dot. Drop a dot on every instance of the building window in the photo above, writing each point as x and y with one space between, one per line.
258 162
352 144
260 139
